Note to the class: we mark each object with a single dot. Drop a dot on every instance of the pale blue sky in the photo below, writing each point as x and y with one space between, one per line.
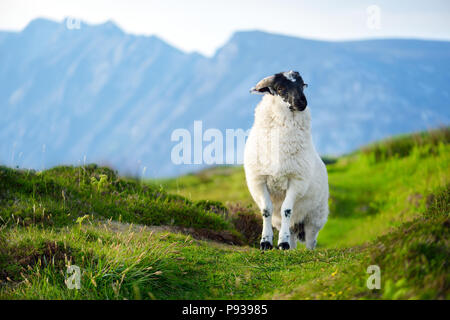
204 25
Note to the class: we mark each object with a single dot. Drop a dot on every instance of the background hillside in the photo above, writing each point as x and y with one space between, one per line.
115 98
133 239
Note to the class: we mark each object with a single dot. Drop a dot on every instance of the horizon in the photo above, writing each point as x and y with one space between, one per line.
202 26
86 23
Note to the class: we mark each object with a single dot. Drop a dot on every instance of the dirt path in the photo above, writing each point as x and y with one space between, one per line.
222 238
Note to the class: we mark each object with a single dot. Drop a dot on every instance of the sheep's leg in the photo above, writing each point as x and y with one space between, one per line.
267 209
293 241
261 196
284 238
311 232
297 234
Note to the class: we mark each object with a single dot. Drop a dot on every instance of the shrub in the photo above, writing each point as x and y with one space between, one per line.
216 207
60 195
414 257
244 220
247 222
403 146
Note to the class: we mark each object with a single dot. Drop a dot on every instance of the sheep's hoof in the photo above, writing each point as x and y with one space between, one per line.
284 246
266 245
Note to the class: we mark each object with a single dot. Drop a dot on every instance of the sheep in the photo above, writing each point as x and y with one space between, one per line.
285 175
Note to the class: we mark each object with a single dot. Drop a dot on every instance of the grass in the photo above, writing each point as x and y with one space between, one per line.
59 196
413 260
367 196
204 185
390 210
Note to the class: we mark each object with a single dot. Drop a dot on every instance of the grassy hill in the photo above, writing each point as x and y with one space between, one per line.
195 237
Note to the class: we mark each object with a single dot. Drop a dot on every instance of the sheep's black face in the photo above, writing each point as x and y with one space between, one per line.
288 85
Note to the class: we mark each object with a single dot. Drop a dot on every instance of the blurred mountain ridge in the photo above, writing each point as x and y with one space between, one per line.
100 94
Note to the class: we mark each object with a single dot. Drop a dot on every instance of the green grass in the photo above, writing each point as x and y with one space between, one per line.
367 196
57 197
388 208
205 185
413 260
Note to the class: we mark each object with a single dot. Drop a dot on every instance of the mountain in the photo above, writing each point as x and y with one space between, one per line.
97 93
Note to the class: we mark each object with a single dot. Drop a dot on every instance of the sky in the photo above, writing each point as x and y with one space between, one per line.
205 25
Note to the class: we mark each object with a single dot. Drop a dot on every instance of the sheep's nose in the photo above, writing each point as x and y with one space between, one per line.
303 100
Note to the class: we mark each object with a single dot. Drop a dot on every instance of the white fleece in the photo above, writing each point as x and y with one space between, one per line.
284 172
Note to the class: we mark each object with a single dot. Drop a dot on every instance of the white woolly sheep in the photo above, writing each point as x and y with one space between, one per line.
285 175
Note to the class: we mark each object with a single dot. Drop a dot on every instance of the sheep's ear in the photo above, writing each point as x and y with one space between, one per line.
265 90
264 86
